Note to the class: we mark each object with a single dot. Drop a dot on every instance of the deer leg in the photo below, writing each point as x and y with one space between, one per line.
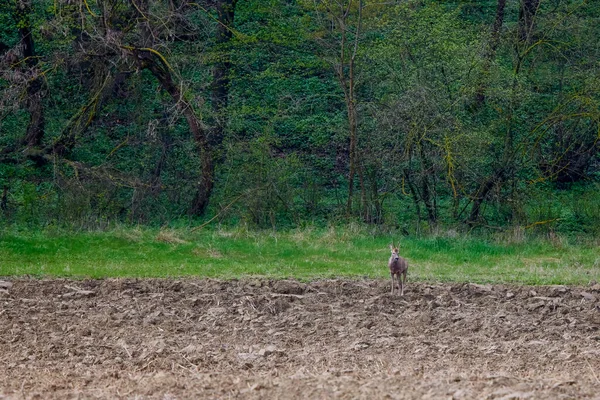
392 283
402 281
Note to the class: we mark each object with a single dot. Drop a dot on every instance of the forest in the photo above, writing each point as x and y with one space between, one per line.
412 114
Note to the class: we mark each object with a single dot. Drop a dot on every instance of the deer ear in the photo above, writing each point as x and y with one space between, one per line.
392 246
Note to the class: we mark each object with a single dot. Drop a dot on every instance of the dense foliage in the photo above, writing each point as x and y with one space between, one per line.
415 114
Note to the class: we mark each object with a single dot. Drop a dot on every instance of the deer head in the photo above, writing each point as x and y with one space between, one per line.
394 251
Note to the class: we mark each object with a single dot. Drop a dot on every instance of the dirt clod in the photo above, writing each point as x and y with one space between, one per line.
588 296
288 287
5 285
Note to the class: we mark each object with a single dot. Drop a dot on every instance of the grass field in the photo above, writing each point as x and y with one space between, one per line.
302 254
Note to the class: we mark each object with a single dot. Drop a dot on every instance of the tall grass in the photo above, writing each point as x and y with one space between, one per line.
306 253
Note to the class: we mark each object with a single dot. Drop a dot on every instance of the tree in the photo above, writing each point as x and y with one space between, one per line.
341 45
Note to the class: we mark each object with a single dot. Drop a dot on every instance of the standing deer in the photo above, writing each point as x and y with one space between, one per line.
398 268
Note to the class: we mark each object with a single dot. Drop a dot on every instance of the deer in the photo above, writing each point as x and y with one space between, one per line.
398 268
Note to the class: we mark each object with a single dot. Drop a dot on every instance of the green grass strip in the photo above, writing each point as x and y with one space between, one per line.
303 254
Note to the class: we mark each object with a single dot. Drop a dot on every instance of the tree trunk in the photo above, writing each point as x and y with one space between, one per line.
506 164
4 199
375 198
426 195
348 84
353 154
527 11
162 73
490 53
36 125
149 59
415 196
221 70
481 195
79 123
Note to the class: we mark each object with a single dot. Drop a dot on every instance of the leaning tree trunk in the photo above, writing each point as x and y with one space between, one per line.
482 193
161 71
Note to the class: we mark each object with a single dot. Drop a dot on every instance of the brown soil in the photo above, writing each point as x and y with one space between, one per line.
173 339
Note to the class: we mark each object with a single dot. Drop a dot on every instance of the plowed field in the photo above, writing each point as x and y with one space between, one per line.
172 339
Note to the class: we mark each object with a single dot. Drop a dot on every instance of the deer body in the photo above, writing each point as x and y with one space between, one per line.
398 269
